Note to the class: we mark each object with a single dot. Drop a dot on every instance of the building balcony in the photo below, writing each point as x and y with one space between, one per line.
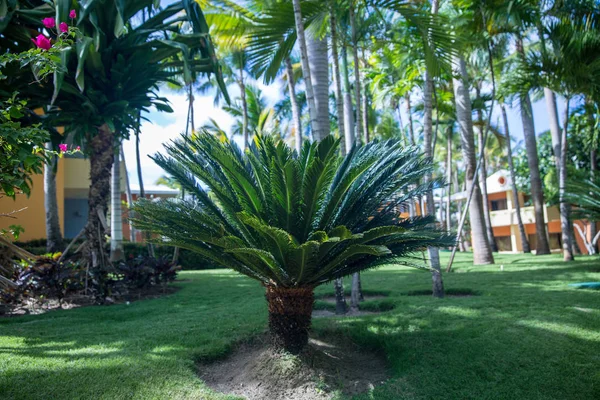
509 217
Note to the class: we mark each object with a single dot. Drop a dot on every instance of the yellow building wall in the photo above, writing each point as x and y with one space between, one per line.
33 217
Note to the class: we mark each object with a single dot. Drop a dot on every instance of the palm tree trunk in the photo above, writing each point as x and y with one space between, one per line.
357 80
365 103
141 183
593 161
513 179
54 239
290 314
116 212
555 132
318 59
537 194
310 96
483 179
349 136
339 99
449 178
340 298
129 197
482 252
411 126
242 86
295 107
101 161
565 207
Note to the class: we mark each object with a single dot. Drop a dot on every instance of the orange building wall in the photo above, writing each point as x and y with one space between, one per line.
33 217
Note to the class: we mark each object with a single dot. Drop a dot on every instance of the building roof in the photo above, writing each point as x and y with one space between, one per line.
156 190
497 182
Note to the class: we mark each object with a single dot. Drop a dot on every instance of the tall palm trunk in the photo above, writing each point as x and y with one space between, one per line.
141 183
411 126
537 194
565 207
54 239
242 86
483 178
101 161
129 197
593 158
555 133
318 60
337 76
365 103
433 252
295 107
310 96
513 179
482 252
344 111
449 146
116 212
349 136
357 80
190 116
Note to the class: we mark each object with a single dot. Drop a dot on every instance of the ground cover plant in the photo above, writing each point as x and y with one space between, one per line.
292 221
527 335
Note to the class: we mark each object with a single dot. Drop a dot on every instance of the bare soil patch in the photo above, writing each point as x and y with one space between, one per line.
34 306
328 366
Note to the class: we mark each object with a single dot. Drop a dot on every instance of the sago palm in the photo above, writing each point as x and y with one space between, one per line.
291 221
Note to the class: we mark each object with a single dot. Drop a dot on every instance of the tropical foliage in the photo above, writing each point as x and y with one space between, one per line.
291 221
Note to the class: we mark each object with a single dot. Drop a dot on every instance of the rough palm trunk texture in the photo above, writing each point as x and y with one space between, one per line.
537 195
349 136
340 298
290 314
116 212
101 161
54 241
339 100
319 68
483 179
310 95
565 207
513 178
294 101
357 80
482 253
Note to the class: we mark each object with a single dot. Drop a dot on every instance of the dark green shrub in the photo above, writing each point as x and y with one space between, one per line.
136 272
49 278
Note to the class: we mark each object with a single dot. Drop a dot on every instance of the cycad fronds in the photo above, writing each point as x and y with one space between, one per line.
291 220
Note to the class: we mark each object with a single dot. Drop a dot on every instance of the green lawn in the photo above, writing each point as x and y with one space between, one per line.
527 335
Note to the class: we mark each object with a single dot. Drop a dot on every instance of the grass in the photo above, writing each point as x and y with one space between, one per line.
524 335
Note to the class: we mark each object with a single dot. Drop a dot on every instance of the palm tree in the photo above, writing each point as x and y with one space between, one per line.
119 62
482 252
306 72
513 179
291 222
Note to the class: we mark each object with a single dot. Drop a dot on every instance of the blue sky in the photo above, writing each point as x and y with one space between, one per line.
168 126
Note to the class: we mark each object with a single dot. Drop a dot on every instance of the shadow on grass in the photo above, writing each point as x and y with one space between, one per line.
528 335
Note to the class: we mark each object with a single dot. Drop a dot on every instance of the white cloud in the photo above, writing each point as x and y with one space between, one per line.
166 128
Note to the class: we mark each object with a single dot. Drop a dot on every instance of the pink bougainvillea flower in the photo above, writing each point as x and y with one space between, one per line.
49 22
63 27
42 42
62 147
78 148
73 14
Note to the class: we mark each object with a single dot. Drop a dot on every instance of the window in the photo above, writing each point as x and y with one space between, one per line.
504 243
498 205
